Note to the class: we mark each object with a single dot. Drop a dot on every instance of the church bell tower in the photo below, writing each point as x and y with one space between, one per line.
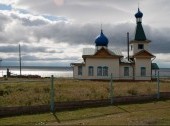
140 41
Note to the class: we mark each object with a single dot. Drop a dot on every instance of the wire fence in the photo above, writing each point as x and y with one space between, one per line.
43 91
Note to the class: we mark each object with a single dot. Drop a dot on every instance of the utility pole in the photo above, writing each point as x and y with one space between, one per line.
128 45
0 64
111 89
20 59
158 87
0 61
52 104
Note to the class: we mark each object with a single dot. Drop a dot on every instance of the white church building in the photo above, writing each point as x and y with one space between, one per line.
100 62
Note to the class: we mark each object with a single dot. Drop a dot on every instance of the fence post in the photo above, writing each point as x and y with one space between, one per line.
111 89
158 86
52 95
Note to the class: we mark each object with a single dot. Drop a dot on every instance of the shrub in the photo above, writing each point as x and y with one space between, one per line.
149 90
37 90
132 91
46 89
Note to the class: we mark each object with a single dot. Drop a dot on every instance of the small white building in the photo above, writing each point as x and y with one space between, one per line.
101 62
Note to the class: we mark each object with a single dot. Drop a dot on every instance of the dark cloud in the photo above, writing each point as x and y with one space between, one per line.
8 49
13 32
11 58
48 21
86 34
32 49
160 41
34 29
81 10
27 49
74 34
28 57
27 21
101 10
4 20
69 33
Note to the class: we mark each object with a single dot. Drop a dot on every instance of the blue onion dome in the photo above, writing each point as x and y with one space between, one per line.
139 14
101 40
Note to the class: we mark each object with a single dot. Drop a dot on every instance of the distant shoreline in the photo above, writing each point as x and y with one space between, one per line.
37 67
30 67
43 71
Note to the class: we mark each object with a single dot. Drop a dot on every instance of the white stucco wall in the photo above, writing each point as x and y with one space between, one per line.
112 64
75 69
141 62
115 68
135 47
75 72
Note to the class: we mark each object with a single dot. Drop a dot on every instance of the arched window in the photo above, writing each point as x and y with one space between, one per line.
90 71
105 71
99 71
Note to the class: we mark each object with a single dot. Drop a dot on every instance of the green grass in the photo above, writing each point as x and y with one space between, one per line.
154 113
26 92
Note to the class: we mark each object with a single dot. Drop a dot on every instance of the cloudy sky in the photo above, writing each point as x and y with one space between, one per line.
54 32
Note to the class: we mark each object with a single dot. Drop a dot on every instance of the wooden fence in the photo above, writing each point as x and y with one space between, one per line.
63 106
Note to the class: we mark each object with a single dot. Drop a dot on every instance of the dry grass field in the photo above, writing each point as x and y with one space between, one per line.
26 92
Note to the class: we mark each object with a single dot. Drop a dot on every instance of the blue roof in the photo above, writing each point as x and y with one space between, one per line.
139 14
101 40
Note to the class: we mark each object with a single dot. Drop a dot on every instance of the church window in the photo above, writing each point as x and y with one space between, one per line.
126 71
131 47
90 70
99 71
140 46
79 70
143 71
105 71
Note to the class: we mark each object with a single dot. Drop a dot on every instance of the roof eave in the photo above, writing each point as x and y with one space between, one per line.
93 56
137 41
77 64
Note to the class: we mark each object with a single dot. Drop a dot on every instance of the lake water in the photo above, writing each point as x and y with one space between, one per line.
41 71
164 72
56 71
